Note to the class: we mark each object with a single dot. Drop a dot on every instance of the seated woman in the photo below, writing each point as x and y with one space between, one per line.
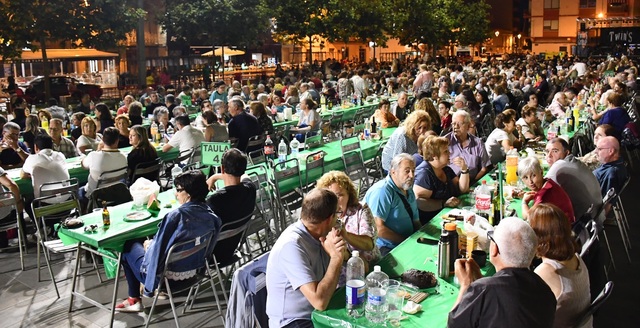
214 131
445 116
501 139
122 124
529 125
309 118
383 116
32 129
143 263
426 105
89 139
259 111
359 228
76 125
591 159
135 113
614 114
404 138
436 185
541 189
142 151
562 268
103 117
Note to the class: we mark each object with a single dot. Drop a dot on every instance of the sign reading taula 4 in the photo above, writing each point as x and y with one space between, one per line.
622 35
212 152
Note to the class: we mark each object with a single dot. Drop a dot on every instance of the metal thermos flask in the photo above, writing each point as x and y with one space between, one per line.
444 254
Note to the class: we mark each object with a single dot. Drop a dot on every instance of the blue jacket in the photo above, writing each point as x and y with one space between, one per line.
188 221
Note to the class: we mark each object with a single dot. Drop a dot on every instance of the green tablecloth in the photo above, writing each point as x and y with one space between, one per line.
408 255
119 232
77 171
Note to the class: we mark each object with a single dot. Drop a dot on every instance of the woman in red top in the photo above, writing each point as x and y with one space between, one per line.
542 190
445 116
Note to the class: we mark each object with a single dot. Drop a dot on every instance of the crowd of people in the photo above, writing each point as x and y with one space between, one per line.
455 123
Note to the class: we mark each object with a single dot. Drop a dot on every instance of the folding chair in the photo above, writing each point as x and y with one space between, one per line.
183 157
256 157
59 188
374 166
280 132
354 163
313 140
314 168
43 207
325 128
621 219
113 195
8 200
253 287
287 174
596 304
150 169
259 230
337 123
255 142
180 253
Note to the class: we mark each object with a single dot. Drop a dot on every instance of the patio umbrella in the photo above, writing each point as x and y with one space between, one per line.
227 52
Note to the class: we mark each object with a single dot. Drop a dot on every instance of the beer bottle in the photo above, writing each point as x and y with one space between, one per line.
106 218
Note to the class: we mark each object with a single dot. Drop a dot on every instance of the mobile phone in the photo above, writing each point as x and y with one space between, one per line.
428 241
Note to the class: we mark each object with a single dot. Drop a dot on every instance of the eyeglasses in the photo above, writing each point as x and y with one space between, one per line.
490 236
179 189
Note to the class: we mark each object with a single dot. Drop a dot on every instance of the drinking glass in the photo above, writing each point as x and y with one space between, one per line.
395 300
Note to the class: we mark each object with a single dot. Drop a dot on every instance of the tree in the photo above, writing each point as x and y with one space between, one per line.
474 23
82 23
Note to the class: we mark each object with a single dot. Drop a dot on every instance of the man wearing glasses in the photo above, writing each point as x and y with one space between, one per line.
574 177
61 143
515 296
13 152
612 173
467 147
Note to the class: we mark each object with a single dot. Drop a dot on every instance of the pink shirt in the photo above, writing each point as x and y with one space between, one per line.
552 193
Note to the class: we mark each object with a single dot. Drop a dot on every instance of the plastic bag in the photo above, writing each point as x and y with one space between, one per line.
480 226
142 189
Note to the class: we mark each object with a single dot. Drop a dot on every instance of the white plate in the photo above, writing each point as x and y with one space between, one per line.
137 216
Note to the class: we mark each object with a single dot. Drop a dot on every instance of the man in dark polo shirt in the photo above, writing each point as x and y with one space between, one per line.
242 126
235 201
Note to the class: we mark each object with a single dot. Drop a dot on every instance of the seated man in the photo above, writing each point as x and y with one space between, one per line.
242 126
109 158
186 136
612 173
574 177
61 143
6 213
305 262
235 201
515 296
402 107
466 146
46 165
393 204
13 152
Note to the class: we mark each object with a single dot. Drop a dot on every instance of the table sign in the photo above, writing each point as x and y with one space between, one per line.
212 152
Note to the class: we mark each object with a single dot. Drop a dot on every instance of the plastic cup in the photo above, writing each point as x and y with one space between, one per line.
395 300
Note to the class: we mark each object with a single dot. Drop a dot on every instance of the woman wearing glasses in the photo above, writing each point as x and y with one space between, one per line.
143 263
359 228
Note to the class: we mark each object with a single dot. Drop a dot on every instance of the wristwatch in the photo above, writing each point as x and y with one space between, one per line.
464 171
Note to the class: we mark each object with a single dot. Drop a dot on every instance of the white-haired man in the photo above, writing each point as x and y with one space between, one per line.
515 296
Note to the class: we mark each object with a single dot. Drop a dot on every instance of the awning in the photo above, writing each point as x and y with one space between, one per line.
69 54
227 52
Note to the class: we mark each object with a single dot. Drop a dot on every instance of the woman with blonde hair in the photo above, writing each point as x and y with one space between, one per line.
426 105
122 124
359 228
404 139
89 139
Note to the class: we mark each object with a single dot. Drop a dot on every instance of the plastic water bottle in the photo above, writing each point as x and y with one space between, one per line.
268 148
175 171
282 151
355 286
33 109
483 200
367 130
376 308
170 132
294 145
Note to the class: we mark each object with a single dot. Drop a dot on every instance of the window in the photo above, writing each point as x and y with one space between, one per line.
553 4
551 25
587 3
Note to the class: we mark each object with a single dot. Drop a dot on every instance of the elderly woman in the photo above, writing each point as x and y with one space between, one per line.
90 139
214 131
142 151
259 111
501 139
123 124
135 113
359 228
436 185
613 114
383 117
161 116
103 117
541 189
591 159
529 125
143 263
562 268
76 122
404 138
31 130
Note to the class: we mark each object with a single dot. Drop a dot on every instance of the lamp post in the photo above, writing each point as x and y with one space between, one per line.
518 43
373 45
497 33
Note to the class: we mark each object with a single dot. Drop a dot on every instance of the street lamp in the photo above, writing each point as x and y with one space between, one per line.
373 45
497 33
